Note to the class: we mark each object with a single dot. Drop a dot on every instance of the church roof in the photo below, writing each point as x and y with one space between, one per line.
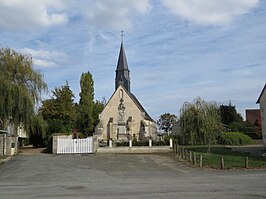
122 60
147 116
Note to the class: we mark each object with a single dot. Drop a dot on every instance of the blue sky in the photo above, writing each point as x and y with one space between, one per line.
176 49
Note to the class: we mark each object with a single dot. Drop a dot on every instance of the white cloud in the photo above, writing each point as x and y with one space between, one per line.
44 63
210 12
28 15
46 59
115 14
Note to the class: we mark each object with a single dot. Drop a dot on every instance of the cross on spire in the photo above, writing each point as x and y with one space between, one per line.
122 35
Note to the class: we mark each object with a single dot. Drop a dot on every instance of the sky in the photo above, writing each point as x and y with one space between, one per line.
176 50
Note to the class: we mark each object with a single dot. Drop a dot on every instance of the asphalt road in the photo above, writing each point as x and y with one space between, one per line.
122 176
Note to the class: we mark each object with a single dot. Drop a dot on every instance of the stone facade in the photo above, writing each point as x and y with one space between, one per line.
123 119
262 102
8 144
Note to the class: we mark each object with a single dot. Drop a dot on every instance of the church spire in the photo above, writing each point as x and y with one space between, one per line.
122 72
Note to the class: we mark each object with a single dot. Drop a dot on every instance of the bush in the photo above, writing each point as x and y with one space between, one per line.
122 143
160 143
234 138
142 143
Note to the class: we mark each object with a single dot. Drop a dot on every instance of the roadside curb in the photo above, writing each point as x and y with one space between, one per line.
132 150
2 161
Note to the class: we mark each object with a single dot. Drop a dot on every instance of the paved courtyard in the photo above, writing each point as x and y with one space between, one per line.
122 176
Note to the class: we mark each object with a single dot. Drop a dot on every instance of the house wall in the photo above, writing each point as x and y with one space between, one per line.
263 116
253 116
21 133
6 144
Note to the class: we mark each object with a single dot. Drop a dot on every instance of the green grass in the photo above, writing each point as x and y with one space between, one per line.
231 159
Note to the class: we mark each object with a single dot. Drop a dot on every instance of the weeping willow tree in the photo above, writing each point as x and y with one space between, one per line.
20 88
200 122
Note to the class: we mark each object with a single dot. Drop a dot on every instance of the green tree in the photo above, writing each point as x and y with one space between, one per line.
166 121
229 114
20 88
85 116
97 109
38 131
60 110
200 122
234 120
212 126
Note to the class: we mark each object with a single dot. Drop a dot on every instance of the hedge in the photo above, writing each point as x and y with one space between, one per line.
234 138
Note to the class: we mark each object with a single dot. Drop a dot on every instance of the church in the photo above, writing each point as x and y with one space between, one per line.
123 117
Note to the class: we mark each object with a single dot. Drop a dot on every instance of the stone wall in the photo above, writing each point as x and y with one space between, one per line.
8 144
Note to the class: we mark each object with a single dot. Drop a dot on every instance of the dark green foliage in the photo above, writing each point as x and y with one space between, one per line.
38 129
140 143
85 120
234 138
122 143
59 113
229 114
20 88
235 122
161 143
61 106
143 143
166 121
97 109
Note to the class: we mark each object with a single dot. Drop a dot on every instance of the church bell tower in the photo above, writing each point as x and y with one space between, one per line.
122 72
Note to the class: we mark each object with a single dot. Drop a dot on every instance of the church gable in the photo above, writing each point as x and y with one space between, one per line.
111 109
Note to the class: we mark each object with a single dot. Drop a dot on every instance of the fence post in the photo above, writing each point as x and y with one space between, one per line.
183 153
200 164
190 156
186 154
194 158
222 162
110 143
130 143
176 149
171 143
246 162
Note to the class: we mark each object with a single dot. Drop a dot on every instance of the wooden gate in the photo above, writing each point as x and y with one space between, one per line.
74 145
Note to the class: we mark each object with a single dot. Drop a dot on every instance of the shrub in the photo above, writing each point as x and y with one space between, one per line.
160 143
122 143
234 138
140 143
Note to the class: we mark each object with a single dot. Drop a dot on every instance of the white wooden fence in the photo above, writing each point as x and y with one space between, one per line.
74 145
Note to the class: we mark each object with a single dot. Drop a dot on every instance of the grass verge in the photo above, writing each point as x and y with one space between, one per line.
232 159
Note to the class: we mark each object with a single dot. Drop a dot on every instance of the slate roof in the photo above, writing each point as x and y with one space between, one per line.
122 60
133 97
264 88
